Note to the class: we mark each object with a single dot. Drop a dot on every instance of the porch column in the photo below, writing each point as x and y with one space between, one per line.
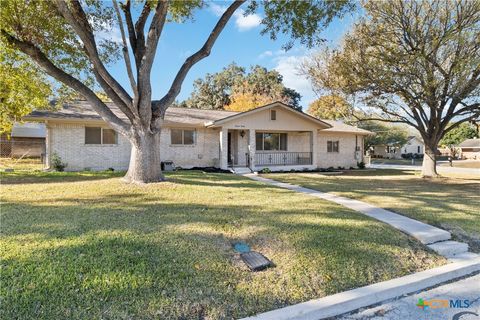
252 147
223 156
314 147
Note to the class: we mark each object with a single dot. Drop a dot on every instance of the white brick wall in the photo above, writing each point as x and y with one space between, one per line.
346 155
68 141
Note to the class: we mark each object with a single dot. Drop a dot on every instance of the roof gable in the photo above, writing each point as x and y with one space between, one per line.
277 104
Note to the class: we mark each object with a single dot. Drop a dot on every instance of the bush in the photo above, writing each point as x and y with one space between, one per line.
57 163
361 165
265 170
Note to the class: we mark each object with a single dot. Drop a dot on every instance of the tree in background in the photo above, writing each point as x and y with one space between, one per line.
332 107
23 88
236 90
385 134
214 90
453 138
415 62
62 37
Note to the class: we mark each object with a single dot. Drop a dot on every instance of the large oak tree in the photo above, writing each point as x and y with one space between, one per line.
415 62
62 37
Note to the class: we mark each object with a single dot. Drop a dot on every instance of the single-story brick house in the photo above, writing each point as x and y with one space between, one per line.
274 136
470 149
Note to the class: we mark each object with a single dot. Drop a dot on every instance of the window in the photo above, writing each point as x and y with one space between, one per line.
109 136
266 141
418 149
273 115
97 135
182 136
332 146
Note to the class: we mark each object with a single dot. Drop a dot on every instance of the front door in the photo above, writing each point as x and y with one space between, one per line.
229 149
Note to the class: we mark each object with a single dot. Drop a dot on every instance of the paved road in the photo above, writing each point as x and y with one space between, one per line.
440 169
406 308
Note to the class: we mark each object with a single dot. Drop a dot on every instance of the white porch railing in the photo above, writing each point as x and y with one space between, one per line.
283 158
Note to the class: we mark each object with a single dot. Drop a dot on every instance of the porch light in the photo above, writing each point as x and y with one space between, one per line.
242 133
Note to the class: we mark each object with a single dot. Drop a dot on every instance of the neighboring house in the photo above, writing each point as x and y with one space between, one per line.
470 149
26 140
413 146
274 136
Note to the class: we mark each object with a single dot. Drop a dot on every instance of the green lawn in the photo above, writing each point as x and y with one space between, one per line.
25 164
88 246
450 203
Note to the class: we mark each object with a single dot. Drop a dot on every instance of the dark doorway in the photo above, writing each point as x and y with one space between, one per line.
229 148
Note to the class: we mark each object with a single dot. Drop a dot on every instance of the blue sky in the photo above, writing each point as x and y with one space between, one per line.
240 42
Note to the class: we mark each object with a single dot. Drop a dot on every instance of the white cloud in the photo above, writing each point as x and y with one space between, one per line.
248 22
288 66
242 22
265 54
217 10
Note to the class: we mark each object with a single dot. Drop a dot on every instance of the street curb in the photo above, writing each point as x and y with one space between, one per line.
351 300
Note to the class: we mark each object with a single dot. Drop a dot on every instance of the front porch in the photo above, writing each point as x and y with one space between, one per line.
258 149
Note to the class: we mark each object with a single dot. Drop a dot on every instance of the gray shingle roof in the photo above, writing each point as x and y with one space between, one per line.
338 126
470 143
81 109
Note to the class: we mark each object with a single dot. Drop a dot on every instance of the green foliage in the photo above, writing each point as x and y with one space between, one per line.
57 163
235 89
39 23
415 62
331 107
302 20
214 90
385 134
361 165
457 135
23 88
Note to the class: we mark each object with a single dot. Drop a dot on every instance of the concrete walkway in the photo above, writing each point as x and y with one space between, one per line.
405 308
436 238
440 169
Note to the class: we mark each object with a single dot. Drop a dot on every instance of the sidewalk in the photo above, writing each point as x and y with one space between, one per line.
435 238
406 308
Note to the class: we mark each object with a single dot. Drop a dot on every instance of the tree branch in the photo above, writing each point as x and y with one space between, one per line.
139 31
126 55
77 18
131 30
98 105
160 106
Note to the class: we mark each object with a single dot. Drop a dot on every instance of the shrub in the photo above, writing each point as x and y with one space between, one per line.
361 165
265 170
57 163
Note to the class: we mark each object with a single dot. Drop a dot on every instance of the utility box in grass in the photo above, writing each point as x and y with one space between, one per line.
167 166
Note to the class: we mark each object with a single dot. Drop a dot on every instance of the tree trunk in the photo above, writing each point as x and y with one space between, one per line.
145 164
429 166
